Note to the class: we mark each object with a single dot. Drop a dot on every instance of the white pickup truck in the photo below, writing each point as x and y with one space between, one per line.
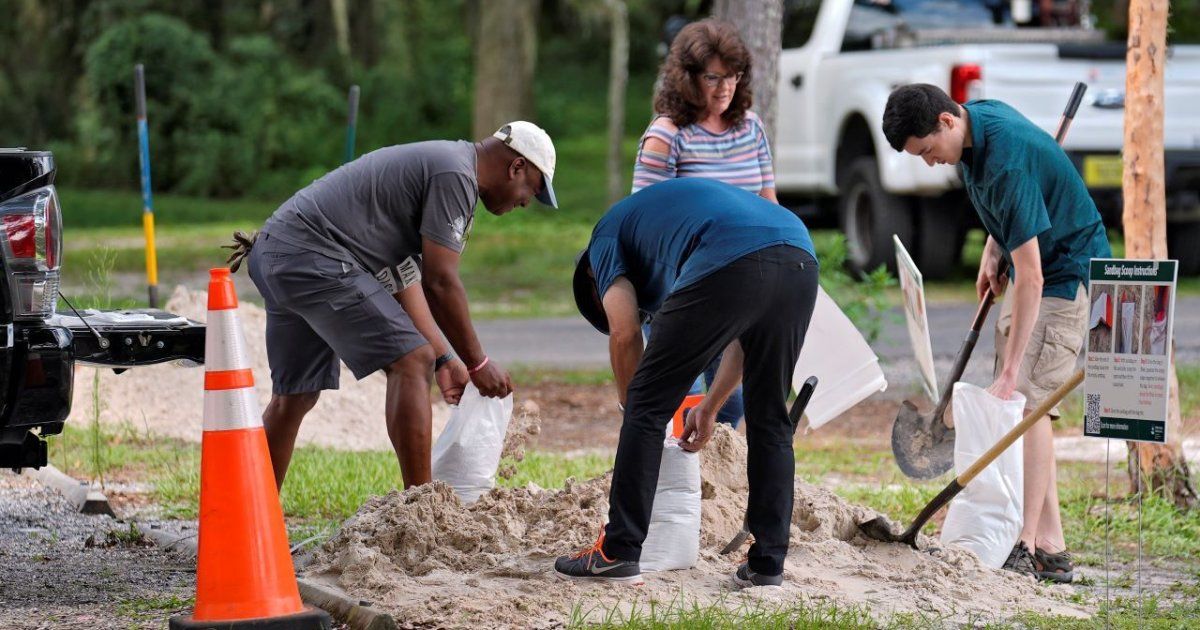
841 59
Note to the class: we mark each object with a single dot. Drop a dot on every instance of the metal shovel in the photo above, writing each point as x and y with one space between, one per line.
879 528
923 444
797 410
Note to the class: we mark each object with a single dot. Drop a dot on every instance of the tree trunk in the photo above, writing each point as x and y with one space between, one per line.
761 24
1158 467
618 77
341 26
505 59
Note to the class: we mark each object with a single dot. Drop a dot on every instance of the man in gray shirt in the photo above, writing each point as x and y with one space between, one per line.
362 266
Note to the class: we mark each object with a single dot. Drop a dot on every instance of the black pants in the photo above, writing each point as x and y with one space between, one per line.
765 300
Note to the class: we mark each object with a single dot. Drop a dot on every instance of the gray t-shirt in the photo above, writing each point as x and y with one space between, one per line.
372 212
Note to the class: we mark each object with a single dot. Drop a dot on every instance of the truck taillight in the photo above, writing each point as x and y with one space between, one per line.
20 229
32 250
966 82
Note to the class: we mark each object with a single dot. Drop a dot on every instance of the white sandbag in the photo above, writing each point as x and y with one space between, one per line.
986 516
467 452
673 539
837 354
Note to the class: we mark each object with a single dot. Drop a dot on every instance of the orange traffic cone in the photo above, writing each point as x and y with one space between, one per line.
677 420
244 574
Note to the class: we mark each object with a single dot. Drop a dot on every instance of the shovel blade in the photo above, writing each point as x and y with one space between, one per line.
736 542
880 528
923 446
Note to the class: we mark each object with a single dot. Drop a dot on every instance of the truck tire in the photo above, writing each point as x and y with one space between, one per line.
940 234
869 216
1182 239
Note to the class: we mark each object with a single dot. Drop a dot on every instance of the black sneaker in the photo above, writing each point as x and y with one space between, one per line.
1020 560
592 564
746 578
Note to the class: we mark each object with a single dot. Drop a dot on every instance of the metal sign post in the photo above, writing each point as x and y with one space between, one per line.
147 202
351 122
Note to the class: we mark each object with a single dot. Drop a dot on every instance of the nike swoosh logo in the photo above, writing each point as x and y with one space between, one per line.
598 570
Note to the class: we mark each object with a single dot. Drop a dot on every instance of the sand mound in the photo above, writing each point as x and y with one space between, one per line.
168 400
431 561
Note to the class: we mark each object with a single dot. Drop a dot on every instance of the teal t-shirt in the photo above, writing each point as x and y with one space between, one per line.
676 232
1023 185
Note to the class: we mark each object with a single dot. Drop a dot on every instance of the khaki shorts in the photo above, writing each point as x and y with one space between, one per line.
1054 346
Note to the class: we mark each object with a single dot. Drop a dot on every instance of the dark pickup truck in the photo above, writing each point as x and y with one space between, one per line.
39 347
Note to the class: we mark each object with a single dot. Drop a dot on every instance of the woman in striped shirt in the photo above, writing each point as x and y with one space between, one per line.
703 127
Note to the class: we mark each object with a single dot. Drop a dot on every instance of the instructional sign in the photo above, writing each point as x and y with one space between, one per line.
912 286
1130 326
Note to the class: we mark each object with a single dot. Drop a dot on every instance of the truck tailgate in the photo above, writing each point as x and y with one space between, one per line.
1036 79
133 337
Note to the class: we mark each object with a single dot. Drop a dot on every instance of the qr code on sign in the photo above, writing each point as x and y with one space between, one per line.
1091 417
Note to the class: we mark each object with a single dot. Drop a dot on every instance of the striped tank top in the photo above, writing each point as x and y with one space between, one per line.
739 156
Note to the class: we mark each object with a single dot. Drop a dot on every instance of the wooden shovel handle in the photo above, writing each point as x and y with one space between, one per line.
1030 419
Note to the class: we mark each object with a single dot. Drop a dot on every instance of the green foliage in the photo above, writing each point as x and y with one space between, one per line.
864 300
248 121
178 61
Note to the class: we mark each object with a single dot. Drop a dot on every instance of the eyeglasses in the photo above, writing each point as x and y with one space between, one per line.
713 80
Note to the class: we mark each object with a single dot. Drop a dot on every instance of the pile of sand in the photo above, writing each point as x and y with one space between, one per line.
431 561
168 400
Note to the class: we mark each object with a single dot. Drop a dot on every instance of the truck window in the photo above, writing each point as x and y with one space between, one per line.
882 23
799 16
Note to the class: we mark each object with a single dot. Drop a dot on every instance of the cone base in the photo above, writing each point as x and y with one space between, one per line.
310 619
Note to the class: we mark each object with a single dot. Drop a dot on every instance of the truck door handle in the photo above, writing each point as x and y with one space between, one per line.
797 80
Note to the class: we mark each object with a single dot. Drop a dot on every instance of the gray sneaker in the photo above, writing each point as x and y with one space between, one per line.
592 565
746 578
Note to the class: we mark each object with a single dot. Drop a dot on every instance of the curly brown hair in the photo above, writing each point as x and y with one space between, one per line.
679 96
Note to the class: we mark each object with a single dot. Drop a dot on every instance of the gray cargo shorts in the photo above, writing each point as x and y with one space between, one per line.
320 310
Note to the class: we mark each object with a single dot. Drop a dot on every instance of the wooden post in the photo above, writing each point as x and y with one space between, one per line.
1158 467
618 78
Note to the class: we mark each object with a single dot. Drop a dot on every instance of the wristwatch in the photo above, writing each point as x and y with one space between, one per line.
442 360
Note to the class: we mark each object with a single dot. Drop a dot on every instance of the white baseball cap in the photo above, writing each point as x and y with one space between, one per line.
534 144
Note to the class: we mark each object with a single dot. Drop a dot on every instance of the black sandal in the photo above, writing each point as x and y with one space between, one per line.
1054 567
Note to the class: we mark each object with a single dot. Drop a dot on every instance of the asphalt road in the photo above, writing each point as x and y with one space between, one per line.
571 342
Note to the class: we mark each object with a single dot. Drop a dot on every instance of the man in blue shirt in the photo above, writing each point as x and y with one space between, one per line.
721 270
1038 215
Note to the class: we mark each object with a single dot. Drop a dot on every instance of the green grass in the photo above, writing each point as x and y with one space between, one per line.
1166 531
1180 610
813 462
533 375
123 209
322 484
682 615
549 470
153 607
868 476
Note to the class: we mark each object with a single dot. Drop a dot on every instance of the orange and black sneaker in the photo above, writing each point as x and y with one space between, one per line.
592 564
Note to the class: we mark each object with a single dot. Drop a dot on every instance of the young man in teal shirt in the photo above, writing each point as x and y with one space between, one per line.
1038 215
